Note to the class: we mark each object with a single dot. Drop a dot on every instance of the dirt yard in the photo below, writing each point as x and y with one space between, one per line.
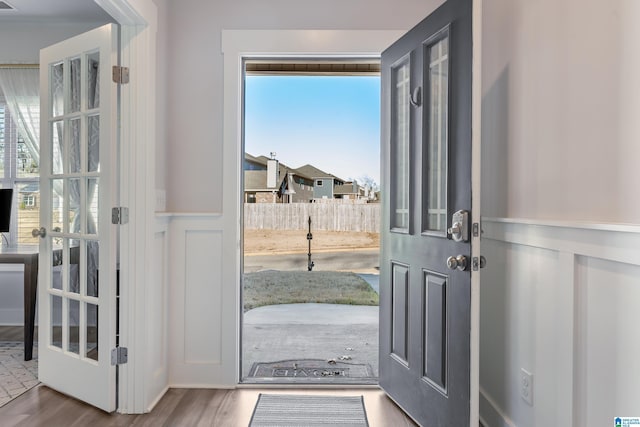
295 241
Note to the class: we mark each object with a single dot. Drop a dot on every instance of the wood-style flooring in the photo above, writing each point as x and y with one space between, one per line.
42 406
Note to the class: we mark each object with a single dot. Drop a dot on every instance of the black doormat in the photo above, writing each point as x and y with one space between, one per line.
310 368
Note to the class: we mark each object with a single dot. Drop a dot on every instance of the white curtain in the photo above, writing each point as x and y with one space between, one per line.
20 87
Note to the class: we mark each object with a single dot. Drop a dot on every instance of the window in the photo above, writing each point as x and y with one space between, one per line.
318 183
29 200
18 170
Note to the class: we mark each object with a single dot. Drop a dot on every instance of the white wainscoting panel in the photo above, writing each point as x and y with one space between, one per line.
608 332
157 339
202 296
559 301
202 347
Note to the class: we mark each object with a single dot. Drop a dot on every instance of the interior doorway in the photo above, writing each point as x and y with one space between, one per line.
311 221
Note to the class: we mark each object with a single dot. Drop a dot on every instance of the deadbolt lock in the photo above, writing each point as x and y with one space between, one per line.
459 230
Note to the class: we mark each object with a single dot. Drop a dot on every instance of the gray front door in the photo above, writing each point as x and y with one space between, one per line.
425 295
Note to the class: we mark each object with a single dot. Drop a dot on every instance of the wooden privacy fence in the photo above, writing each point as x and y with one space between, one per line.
324 216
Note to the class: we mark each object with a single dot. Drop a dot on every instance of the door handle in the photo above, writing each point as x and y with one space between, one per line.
459 262
39 232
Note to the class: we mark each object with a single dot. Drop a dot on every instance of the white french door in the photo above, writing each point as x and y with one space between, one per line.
78 247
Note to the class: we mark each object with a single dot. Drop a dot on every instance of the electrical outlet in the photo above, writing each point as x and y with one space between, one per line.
526 386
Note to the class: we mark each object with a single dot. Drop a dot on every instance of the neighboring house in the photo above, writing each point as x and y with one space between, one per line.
290 186
350 191
324 183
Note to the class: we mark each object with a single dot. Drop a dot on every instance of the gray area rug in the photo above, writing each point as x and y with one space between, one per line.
16 375
286 410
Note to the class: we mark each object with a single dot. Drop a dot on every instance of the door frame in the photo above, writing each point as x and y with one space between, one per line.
138 27
240 44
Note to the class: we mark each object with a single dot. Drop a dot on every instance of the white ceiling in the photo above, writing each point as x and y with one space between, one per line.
54 11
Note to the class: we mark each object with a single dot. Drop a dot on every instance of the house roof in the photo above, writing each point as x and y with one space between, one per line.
314 172
258 160
257 180
33 187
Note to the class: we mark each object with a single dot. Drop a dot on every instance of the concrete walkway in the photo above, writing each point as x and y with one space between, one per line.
311 331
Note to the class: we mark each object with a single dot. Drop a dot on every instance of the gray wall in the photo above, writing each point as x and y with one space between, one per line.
561 102
194 79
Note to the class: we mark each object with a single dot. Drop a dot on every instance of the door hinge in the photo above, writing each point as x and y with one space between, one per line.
119 215
120 74
119 356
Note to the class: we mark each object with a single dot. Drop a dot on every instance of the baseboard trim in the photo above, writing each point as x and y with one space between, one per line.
157 399
491 415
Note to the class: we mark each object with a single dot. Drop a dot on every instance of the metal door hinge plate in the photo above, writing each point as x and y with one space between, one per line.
119 215
120 74
119 356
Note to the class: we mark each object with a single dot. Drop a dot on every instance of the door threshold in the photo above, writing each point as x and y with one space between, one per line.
310 381
309 385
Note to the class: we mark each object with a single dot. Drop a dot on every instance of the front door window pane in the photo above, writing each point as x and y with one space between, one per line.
400 145
437 135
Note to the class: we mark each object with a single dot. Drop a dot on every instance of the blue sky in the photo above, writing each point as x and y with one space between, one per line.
330 122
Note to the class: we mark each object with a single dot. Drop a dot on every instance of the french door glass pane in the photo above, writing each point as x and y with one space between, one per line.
92 206
91 348
57 138
400 145
74 149
57 89
76 85
93 138
57 206
74 324
93 80
93 267
73 217
437 135
56 321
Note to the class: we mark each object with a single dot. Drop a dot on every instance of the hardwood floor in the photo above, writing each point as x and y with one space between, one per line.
42 406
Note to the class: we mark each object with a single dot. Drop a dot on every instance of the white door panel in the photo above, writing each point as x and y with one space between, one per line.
77 274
